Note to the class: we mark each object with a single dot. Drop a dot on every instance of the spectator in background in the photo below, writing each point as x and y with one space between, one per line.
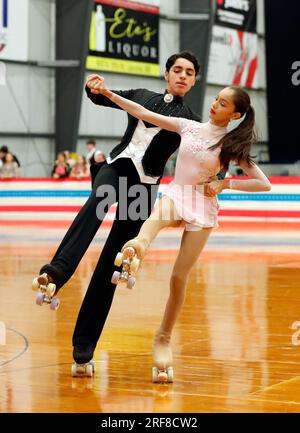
100 156
4 151
61 168
2 154
93 154
9 168
80 168
70 158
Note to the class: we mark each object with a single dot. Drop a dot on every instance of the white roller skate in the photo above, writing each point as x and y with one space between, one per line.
83 370
130 264
46 291
162 372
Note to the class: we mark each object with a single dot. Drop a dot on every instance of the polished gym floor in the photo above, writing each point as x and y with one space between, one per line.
235 345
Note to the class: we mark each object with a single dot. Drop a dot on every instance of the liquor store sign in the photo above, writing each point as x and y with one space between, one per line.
124 37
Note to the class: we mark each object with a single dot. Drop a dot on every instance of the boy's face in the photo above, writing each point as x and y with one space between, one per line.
181 77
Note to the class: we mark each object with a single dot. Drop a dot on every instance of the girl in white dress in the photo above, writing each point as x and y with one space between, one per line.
190 199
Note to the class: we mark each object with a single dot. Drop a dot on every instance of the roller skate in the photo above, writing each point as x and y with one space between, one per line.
83 366
162 372
132 252
46 291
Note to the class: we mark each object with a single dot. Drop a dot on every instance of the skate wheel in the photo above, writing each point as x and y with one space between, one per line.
39 300
74 370
89 370
170 373
83 369
78 370
134 265
155 375
55 304
93 365
51 289
115 277
119 259
131 282
35 284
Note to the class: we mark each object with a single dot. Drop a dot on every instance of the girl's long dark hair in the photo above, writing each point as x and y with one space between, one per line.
236 145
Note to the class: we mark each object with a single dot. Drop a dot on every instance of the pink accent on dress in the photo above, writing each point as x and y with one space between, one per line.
196 165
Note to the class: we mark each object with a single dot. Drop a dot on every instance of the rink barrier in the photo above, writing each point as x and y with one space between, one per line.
42 200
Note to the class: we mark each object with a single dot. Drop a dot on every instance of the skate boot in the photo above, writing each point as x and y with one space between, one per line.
132 252
162 372
46 291
83 366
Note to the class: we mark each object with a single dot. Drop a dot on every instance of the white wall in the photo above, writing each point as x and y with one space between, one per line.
27 101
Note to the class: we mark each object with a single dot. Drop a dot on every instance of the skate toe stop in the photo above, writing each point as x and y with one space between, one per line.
162 377
129 252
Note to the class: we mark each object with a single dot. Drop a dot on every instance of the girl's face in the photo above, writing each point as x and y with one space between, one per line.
222 110
9 157
60 158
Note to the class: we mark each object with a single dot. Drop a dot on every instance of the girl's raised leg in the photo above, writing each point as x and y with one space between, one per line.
164 215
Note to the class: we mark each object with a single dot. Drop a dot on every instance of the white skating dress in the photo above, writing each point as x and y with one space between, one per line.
195 166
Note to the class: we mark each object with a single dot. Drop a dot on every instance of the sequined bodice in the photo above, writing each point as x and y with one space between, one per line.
196 163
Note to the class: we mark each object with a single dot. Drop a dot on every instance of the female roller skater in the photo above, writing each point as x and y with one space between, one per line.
205 149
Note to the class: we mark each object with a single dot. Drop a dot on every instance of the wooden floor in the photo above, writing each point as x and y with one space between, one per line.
234 346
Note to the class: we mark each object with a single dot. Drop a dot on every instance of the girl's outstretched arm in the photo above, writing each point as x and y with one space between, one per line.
137 110
140 112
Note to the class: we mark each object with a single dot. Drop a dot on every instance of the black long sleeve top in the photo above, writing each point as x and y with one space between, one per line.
164 143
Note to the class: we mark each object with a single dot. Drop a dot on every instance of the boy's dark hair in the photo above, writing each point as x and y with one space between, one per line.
91 141
4 149
183 55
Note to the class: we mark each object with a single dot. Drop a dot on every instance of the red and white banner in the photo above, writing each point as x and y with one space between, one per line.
47 201
234 46
233 58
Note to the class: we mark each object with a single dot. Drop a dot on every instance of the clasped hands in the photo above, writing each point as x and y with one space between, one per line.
96 84
214 187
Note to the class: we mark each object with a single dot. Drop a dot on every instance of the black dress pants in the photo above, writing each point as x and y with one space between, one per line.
98 299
